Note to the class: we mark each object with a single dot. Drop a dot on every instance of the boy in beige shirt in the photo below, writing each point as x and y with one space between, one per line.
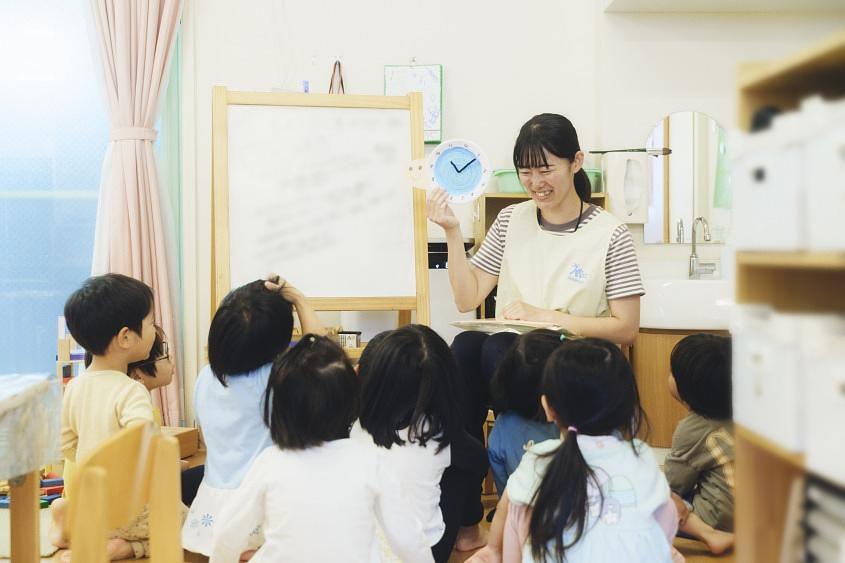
111 316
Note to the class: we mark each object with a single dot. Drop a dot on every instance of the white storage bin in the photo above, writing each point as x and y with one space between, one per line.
769 188
768 386
47 548
823 347
750 350
825 174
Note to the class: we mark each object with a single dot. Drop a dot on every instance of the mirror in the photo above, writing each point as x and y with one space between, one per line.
690 182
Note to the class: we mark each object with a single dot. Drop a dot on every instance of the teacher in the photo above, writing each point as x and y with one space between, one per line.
556 258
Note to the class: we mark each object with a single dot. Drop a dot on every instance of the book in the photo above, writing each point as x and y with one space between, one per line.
492 326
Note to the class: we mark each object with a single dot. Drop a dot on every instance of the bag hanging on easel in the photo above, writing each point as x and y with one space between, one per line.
336 81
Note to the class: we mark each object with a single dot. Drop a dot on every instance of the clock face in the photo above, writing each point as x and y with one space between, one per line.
461 169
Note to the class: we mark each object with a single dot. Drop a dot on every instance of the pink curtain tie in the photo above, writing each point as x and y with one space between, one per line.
133 134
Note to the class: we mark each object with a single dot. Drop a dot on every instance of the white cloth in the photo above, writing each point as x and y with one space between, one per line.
622 526
29 422
549 271
419 470
234 433
319 504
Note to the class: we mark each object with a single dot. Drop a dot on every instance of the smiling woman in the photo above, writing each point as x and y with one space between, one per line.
556 258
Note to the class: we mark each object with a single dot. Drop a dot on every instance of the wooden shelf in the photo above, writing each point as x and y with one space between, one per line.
793 260
792 458
818 65
783 84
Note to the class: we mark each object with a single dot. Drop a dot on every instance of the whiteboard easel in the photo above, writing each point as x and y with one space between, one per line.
278 152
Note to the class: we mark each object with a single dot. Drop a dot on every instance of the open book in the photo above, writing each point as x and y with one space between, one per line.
492 326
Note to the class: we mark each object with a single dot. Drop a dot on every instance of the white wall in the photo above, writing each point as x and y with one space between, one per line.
614 75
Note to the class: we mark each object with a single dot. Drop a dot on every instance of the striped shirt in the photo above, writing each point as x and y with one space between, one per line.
621 269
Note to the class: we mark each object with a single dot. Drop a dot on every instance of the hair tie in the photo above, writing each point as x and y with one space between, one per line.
312 339
562 337
573 429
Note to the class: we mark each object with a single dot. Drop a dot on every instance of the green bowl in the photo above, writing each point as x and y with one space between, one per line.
507 180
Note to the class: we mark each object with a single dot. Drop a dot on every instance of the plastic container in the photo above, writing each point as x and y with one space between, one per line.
596 183
507 180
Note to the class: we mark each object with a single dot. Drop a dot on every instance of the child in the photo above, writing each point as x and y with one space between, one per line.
516 396
410 410
111 316
316 493
700 464
251 327
596 493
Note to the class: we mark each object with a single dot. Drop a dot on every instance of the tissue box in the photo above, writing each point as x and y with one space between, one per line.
823 349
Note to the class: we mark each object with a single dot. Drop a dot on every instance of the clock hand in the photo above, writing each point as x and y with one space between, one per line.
465 165
455 167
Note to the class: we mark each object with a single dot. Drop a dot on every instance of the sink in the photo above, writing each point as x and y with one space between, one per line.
686 304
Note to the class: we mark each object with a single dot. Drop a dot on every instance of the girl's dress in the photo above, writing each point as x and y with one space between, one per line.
231 419
624 504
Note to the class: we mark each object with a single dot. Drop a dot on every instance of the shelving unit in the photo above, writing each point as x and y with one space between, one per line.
789 281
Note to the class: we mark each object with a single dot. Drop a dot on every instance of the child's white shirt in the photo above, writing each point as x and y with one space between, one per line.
319 504
620 525
419 469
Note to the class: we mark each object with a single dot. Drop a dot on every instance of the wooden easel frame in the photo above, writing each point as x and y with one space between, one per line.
222 98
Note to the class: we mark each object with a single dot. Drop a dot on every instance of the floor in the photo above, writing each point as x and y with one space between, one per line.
694 551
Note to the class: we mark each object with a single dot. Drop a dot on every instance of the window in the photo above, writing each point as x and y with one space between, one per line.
53 135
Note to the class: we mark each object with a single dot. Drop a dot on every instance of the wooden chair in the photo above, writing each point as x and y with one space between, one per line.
135 467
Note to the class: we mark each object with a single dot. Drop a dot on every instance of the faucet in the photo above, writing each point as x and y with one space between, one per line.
694 272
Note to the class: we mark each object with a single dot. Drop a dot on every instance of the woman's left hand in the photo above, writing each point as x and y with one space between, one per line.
521 311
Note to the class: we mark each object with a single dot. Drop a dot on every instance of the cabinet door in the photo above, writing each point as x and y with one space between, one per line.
650 360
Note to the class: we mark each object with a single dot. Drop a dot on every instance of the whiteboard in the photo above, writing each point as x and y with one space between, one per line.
321 196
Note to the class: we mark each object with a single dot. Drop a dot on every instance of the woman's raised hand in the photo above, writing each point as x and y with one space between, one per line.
438 210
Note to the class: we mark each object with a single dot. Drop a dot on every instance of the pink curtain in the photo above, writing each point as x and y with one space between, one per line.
135 39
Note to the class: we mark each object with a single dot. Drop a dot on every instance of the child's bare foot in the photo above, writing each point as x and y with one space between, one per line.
470 537
247 555
718 541
57 519
116 549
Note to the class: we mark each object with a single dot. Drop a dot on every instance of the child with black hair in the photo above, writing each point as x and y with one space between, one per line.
110 316
515 388
410 411
595 493
251 327
700 465
317 494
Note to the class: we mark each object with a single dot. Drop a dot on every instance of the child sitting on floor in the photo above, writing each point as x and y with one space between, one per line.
700 465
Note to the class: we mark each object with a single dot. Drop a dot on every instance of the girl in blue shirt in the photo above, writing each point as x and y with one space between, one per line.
252 326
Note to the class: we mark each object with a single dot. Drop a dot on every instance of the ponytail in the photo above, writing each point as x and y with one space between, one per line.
560 503
582 185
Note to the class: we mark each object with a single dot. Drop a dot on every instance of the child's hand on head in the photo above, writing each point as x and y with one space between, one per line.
274 282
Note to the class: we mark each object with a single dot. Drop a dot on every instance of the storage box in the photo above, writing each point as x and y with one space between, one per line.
768 188
188 439
596 183
823 347
507 180
769 386
825 172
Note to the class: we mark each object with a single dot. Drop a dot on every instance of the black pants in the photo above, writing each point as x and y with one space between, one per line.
468 467
191 479
478 356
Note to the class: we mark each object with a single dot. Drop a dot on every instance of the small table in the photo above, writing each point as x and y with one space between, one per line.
30 416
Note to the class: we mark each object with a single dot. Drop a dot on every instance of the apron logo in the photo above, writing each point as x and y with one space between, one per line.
577 273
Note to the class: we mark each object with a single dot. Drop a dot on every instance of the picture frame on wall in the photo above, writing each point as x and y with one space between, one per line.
399 80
